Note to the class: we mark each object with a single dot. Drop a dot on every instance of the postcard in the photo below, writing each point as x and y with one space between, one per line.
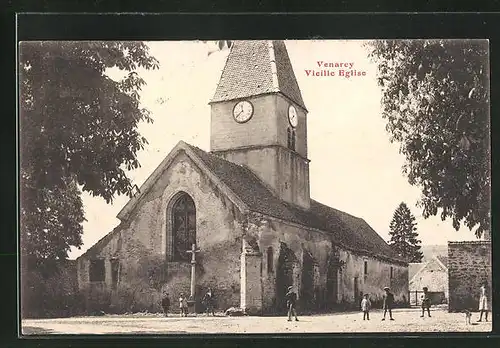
260 186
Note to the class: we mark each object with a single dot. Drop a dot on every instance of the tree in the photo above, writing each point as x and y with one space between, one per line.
78 131
435 98
403 232
219 45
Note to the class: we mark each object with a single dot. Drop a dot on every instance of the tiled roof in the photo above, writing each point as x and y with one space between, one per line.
413 268
348 230
287 82
257 67
443 259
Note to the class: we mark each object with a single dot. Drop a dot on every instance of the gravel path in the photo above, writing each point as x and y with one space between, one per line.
406 320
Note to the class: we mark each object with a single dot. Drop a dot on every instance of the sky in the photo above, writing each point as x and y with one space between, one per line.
353 168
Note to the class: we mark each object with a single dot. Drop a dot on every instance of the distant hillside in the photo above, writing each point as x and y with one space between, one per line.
434 250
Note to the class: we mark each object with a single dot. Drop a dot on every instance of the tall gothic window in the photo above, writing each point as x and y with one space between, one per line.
183 227
293 140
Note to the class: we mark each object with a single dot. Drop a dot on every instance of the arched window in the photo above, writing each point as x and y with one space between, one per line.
293 140
183 227
270 260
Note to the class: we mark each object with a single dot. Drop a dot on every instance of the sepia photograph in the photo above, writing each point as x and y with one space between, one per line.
254 187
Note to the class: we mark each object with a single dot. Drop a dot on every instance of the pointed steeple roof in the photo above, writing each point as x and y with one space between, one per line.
258 67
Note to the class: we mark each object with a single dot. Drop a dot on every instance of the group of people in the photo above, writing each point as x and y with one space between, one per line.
291 299
426 303
388 304
291 303
208 302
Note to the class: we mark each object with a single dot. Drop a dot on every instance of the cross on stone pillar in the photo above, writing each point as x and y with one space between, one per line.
193 252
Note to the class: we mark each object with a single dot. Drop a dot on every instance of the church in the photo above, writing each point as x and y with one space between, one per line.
245 206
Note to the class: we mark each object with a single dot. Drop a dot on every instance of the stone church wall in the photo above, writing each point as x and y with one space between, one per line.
273 233
377 277
141 246
469 264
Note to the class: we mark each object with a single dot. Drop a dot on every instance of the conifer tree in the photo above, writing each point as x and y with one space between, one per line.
403 232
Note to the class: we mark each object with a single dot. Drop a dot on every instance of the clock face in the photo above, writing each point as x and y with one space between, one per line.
243 111
292 116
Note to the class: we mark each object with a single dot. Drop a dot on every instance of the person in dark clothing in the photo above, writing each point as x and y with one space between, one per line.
291 302
165 303
388 303
208 302
426 302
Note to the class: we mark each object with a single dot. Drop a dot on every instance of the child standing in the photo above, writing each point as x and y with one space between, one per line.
208 301
291 299
365 307
183 305
426 302
388 302
165 303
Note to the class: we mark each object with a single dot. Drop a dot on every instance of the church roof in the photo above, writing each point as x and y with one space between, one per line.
258 67
349 231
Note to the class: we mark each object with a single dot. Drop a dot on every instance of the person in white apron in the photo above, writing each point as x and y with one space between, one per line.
483 302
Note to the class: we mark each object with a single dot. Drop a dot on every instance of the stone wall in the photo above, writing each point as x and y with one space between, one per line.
469 264
271 233
49 290
373 283
141 244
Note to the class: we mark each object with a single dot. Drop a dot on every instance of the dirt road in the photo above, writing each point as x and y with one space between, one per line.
406 320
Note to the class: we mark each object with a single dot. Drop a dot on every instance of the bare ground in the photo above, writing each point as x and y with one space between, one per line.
406 320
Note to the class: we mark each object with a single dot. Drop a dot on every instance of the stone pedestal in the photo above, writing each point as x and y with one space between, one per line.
193 307
251 283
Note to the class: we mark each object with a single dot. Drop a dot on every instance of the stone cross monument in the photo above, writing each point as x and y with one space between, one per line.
193 252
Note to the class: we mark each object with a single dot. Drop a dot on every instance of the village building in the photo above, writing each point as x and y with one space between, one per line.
432 274
246 207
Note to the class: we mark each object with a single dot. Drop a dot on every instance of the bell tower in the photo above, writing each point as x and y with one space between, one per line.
259 120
